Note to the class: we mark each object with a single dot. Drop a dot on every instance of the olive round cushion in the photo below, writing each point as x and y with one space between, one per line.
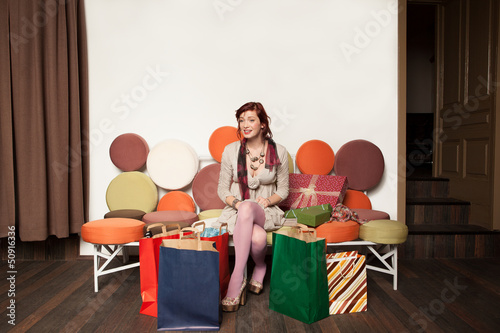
270 234
209 213
384 232
337 232
219 139
126 213
176 200
170 216
132 190
172 164
129 152
291 167
315 157
112 231
204 188
361 162
371 214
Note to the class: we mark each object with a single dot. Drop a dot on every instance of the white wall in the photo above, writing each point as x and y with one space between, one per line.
324 69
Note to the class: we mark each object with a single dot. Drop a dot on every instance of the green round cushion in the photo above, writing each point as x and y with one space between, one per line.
132 190
384 232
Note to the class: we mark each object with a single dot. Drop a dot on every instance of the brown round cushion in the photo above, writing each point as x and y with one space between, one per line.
112 231
361 162
370 214
135 214
129 152
205 188
337 232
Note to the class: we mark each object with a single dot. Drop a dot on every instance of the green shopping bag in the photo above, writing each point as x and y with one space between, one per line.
299 283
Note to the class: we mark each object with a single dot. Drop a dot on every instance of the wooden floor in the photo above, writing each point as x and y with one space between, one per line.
434 295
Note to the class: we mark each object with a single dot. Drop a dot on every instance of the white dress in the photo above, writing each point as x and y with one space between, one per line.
264 184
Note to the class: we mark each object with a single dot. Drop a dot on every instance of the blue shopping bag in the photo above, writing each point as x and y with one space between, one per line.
188 285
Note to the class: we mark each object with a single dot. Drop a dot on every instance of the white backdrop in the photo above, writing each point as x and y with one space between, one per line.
323 69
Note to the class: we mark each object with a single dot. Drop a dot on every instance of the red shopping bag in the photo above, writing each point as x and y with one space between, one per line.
222 245
149 254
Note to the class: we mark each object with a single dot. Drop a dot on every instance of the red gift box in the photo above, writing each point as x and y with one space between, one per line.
313 190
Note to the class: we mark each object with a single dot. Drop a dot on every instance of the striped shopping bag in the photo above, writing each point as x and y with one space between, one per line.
346 282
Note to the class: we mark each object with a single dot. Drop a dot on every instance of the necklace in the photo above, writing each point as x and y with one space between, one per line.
255 158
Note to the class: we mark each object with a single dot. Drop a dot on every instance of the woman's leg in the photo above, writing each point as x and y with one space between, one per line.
258 252
249 213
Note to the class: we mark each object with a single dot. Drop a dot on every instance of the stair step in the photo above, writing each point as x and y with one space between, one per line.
427 187
435 201
448 229
437 211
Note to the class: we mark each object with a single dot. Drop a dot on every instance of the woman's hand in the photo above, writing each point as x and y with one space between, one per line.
266 202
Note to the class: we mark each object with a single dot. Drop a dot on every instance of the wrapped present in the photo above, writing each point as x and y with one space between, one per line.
312 190
311 216
346 282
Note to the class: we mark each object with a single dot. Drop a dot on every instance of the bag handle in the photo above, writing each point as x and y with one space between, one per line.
199 223
164 231
223 224
195 234
350 271
304 229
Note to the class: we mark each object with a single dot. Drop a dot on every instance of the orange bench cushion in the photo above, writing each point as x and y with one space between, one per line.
337 232
112 231
315 157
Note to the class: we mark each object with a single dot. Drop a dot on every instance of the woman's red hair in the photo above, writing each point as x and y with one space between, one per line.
261 113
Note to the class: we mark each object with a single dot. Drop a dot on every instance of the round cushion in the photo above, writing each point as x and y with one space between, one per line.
356 199
170 216
291 168
204 188
129 152
337 232
210 213
370 214
270 234
127 213
315 157
219 139
361 162
176 200
384 232
132 190
112 231
172 164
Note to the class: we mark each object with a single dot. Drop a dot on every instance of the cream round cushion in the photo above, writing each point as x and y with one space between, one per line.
384 232
172 164
132 190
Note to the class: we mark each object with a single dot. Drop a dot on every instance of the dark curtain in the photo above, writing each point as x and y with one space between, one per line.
44 168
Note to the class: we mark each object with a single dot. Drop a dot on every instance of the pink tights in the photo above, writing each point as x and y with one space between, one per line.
249 238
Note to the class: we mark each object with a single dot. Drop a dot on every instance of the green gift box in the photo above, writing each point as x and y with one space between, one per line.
312 216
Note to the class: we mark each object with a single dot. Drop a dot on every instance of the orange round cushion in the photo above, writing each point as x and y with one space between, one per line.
219 139
337 232
356 199
176 200
112 231
315 157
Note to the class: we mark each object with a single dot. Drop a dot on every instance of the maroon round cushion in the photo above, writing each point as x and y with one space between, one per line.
370 214
361 162
205 188
170 216
129 152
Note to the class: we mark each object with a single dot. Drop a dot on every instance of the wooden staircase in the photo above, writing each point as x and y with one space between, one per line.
439 226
